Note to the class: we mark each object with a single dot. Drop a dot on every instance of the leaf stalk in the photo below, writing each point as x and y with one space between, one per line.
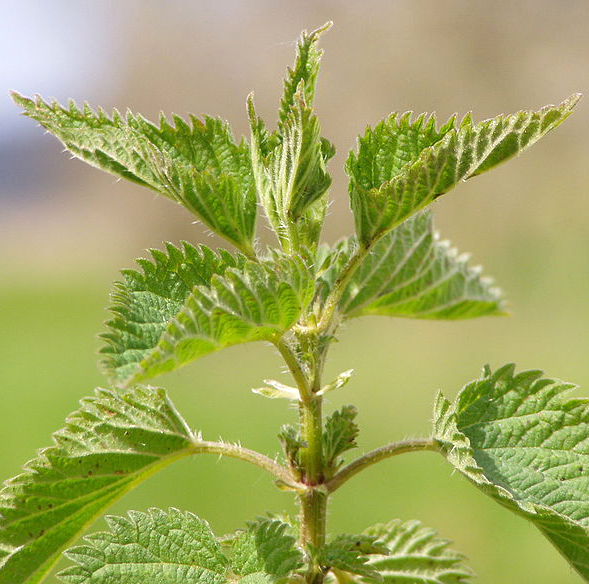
374 456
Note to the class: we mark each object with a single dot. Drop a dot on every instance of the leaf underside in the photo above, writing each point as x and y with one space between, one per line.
410 273
517 438
384 191
196 164
416 556
106 448
189 303
174 547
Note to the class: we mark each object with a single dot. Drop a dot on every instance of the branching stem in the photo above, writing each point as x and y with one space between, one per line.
382 453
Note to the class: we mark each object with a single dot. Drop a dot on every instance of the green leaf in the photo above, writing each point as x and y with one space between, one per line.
145 302
410 273
108 446
339 436
393 143
277 390
290 440
455 154
199 165
163 547
254 302
266 547
172 547
289 165
340 381
416 556
304 72
523 443
291 178
350 553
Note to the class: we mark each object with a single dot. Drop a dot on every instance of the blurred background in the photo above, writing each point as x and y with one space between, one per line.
66 229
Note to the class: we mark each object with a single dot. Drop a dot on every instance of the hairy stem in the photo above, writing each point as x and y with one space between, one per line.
339 287
295 368
251 456
382 453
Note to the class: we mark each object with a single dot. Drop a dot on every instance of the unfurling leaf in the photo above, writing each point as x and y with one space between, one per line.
414 555
339 382
153 332
108 446
289 165
407 180
523 443
339 436
410 273
197 164
290 440
277 390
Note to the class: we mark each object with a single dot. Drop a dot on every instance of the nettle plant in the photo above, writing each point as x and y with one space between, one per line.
515 436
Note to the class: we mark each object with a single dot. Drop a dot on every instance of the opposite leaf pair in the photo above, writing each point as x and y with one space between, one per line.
512 435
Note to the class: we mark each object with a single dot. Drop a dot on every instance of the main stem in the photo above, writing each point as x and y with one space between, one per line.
313 498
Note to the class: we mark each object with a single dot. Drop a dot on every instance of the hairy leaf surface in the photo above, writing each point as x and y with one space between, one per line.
455 154
303 73
411 273
145 302
339 436
172 547
266 547
289 165
351 553
522 442
197 164
252 302
158 546
109 445
416 556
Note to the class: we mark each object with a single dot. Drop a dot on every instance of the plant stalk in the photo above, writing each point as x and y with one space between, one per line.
374 456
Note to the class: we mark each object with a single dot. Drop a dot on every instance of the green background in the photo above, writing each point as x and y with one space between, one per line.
64 238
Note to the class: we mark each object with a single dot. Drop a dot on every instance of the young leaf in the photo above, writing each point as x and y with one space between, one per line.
158 546
199 165
277 390
461 153
252 303
339 436
108 446
411 273
290 440
266 547
350 553
414 555
289 165
342 379
304 72
393 143
145 302
291 178
523 443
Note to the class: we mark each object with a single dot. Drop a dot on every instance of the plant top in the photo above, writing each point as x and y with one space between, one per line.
515 436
